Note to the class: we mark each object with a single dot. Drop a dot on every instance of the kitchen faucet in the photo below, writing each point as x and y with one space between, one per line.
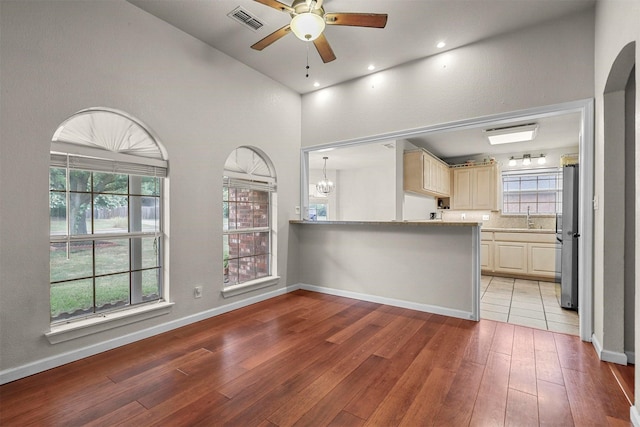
530 223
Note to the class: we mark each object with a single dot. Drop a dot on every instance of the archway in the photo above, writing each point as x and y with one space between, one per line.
619 269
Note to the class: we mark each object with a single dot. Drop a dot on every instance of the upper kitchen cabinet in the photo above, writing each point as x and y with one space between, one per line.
475 187
426 174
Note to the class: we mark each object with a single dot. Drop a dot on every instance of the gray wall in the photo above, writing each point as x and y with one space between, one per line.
538 66
616 26
430 267
59 57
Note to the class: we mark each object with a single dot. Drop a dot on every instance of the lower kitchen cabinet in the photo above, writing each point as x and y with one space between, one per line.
486 251
511 257
523 254
542 259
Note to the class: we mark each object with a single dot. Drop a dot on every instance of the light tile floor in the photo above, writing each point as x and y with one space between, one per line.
529 303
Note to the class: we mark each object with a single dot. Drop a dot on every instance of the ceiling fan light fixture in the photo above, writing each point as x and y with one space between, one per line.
307 26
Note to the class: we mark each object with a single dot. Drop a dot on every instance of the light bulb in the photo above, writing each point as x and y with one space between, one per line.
307 26
526 160
542 159
512 162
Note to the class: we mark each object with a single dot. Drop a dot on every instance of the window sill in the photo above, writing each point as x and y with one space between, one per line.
245 287
72 330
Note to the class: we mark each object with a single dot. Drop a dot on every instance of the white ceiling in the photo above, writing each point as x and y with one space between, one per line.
554 132
414 27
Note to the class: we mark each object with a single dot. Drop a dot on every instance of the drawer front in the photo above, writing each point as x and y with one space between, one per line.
486 235
525 237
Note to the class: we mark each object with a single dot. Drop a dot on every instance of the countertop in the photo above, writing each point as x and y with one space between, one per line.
430 223
521 230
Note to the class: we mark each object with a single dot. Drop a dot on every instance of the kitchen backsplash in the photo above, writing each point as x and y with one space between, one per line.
496 220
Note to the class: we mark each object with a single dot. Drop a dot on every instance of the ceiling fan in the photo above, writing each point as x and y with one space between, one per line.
308 20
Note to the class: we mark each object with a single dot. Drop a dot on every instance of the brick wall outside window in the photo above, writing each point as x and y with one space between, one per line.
247 251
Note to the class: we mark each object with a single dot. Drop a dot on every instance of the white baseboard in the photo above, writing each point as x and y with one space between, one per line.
467 315
16 373
617 357
631 357
635 416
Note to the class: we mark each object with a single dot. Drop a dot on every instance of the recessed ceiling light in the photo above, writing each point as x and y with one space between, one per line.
316 84
509 134
371 67
440 45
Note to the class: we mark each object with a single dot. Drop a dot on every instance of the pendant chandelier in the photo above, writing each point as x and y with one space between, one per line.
324 186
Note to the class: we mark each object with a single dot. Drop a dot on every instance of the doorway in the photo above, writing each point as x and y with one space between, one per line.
526 302
616 327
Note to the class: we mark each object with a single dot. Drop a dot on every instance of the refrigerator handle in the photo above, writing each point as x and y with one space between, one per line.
557 238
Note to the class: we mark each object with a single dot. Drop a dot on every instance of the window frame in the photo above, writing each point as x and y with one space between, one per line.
92 236
237 179
114 143
537 173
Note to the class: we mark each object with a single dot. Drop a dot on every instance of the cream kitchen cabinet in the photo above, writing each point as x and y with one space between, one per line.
425 174
475 187
511 257
486 251
542 259
521 254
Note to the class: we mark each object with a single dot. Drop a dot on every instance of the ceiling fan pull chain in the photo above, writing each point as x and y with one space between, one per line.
307 59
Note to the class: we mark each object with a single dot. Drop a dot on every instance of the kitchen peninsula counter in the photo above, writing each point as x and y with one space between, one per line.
429 265
434 222
520 230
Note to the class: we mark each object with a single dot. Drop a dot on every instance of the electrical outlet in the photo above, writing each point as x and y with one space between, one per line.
463 216
485 217
595 203
297 210
197 292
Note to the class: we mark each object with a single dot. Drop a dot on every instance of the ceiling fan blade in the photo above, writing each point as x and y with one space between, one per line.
275 36
324 49
374 20
276 5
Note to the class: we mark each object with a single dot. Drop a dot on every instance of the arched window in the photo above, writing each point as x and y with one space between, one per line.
249 191
105 198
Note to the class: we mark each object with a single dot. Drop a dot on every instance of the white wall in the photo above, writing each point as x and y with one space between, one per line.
616 26
63 56
543 65
367 194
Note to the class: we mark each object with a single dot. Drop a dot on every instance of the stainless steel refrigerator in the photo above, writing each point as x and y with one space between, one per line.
567 234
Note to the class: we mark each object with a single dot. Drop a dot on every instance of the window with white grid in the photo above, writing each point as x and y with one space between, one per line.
539 191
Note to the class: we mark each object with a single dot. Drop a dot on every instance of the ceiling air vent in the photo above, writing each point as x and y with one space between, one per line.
245 18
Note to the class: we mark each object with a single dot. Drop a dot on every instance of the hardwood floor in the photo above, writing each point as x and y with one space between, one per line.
309 359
